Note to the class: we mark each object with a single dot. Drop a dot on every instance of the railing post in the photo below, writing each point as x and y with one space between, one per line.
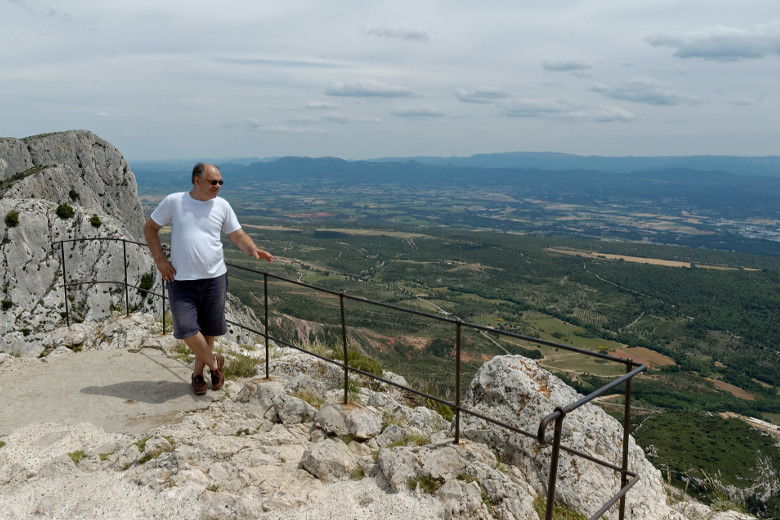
457 381
162 282
626 428
265 322
127 289
556 448
344 342
64 282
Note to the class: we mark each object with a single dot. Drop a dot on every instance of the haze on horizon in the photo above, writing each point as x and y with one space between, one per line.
357 79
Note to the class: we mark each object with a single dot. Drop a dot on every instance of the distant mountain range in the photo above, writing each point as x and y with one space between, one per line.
732 191
768 166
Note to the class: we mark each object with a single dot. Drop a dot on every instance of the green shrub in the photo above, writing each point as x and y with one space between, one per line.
240 365
77 456
95 221
12 218
360 361
147 281
442 409
7 304
64 211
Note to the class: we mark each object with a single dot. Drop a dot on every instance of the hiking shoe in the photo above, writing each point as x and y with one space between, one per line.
199 384
217 377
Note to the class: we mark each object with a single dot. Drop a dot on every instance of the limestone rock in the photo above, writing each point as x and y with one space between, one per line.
329 460
331 419
14 158
515 390
292 410
362 423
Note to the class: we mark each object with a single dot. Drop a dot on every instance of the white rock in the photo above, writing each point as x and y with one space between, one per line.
329 460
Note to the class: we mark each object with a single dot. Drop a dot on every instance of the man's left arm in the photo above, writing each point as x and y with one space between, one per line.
245 243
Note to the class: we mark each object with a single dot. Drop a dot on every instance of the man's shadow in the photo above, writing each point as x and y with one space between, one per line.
150 392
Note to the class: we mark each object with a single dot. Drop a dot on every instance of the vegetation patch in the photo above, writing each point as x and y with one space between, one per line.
65 211
240 365
426 482
411 439
704 453
12 218
360 361
77 456
310 397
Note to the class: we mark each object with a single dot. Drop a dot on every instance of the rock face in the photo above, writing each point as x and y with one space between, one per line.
77 168
88 174
51 167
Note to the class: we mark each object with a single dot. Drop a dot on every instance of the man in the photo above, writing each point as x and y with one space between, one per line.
196 273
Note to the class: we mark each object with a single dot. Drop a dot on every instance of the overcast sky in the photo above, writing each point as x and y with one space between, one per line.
360 79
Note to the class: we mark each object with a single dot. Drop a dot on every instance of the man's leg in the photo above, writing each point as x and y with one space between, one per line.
202 346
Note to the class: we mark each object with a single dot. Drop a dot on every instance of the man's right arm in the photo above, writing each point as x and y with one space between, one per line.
152 235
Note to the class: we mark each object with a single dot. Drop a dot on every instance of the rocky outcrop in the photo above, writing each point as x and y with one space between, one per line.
287 447
516 391
90 176
75 167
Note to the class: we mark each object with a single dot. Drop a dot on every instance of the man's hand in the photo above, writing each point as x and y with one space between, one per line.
166 269
245 243
263 255
152 234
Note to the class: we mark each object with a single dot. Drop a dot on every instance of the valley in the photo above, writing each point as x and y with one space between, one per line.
664 281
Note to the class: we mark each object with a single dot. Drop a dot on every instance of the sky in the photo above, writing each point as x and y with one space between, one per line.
359 79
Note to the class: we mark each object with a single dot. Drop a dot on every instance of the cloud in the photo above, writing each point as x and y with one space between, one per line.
723 43
398 34
119 114
645 92
281 63
255 125
482 94
564 65
367 88
319 105
333 117
565 110
419 111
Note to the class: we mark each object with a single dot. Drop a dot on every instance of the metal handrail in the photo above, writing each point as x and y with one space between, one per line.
628 478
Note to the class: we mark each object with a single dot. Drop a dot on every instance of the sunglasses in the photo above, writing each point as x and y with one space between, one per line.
214 183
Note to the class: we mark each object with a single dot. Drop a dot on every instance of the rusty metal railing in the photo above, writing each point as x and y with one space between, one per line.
627 478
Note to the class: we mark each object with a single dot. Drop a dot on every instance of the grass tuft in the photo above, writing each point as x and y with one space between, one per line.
77 456
426 482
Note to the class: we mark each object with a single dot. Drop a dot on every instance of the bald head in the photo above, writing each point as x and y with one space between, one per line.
202 168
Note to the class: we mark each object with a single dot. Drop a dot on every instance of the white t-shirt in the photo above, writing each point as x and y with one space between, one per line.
196 248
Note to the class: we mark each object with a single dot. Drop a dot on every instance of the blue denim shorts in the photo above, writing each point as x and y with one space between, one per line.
198 306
